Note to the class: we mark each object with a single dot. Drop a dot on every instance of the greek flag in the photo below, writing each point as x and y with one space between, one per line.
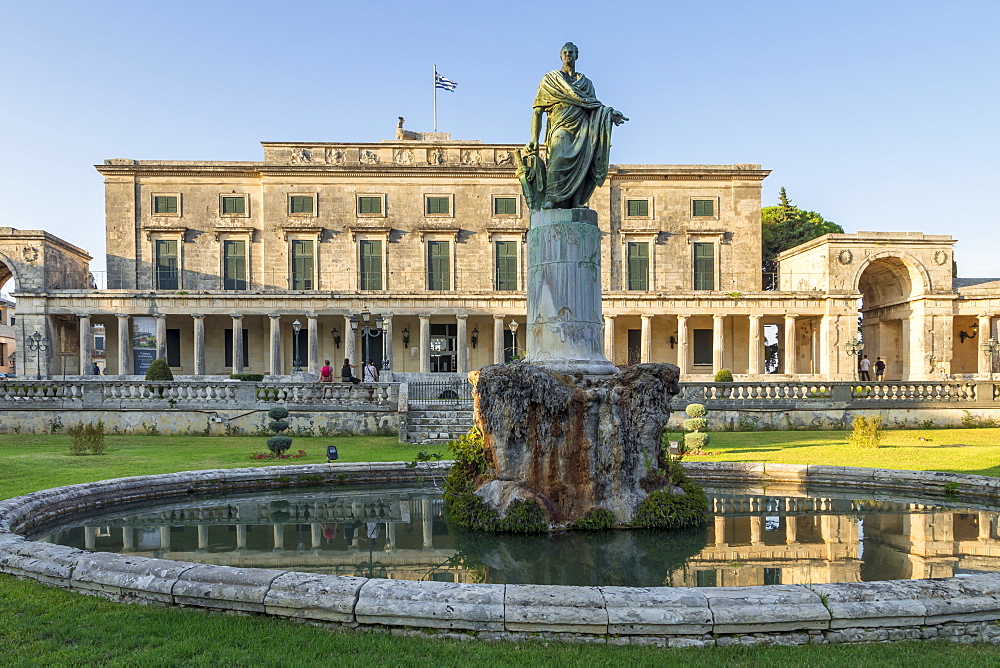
444 84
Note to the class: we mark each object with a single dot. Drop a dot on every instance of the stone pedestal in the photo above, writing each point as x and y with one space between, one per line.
564 292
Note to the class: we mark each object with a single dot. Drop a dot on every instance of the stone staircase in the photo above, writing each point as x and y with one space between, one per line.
433 426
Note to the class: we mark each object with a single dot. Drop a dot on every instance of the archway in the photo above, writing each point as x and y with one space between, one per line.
887 285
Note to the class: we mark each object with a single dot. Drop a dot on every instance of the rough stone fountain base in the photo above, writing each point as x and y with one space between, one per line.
574 444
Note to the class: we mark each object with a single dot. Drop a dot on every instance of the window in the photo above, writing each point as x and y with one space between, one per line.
300 204
702 347
506 265
504 206
173 347
638 265
166 264
234 205
438 265
772 576
234 264
99 343
165 205
370 205
637 208
229 348
302 264
704 266
371 264
703 207
705 578
438 206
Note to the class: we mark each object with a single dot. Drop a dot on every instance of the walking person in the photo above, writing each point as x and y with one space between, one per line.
865 368
371 372
346 373
879 369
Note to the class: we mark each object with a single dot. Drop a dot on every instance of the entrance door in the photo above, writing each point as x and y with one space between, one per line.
444 348
372 349
634 346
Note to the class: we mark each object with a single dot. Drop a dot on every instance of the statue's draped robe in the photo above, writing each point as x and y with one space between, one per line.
577 137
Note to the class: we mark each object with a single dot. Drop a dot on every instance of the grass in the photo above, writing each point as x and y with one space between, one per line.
42 625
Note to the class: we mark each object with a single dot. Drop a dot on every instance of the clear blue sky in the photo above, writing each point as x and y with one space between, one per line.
879 115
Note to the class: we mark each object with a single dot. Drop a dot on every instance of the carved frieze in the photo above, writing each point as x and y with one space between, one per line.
471 156
29 253
845 257
504 158
368 157
335 156
940 257
403 156
301 156
436 156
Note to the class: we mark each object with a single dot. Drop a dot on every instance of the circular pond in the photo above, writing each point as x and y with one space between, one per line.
778 535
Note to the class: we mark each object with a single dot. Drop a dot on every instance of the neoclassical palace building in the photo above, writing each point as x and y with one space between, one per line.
411 252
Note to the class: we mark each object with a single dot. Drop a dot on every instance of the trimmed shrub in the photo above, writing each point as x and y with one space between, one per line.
696 410
278 444
159 370
723 376
252 377
695 442
867 432
278 413
696 424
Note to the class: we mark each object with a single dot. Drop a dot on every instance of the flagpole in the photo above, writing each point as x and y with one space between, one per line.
434 83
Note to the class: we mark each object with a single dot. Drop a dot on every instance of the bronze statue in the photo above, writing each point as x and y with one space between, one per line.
577 139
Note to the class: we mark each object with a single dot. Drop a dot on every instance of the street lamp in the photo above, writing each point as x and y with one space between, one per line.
336 338
296 328
475 337
371 568
369 331
854 348
992 348
38 346
513 335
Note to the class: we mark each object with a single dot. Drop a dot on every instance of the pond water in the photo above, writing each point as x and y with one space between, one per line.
793 535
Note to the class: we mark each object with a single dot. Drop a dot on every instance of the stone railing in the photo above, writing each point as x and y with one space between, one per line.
180 394
962 609
839 394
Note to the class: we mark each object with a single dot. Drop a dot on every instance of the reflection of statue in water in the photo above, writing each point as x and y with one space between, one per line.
577 139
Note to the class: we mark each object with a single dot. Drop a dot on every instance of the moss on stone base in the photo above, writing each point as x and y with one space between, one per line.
470 512
595 519
665 510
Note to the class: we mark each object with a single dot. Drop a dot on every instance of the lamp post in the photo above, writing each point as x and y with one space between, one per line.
336 338
513 336
854 348
368 331
37 345
296 328
992 348
475 337
371 568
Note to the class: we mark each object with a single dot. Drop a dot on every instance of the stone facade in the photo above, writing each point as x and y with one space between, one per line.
430 233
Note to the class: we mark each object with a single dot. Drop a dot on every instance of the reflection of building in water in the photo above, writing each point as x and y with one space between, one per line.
752 540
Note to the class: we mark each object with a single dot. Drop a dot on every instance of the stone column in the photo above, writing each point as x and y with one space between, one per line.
463 346
199 344
425 343
609 338
161 336
279 536
754 346
682 344
717 342
646 340
756 529
313 362
241 536
350 343
202 537
316 535
498 339
274 349
128 539
826 362
791 529
790 344
985 331
86 346
720 531
985 525
387 341
124 345
237 343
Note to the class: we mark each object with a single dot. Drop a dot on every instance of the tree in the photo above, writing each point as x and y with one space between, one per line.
786 226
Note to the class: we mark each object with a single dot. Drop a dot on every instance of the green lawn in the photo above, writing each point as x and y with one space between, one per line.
41 625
